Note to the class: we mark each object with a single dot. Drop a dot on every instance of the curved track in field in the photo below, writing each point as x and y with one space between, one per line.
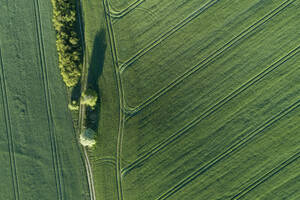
157 148
125 11
44 75
235 147
167 34
11 151
105 160
266 176
132 111
121 99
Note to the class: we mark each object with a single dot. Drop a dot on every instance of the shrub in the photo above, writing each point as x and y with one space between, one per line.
89 98
73 106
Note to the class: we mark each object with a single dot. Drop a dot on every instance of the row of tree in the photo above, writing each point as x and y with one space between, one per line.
67 41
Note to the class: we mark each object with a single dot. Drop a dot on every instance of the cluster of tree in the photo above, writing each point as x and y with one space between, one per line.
88 135
67 41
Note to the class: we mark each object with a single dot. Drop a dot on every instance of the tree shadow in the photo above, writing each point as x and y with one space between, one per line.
97 60
94 72
76 92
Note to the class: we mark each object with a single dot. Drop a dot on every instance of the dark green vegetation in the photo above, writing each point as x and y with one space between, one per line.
199 99
67 40
39 155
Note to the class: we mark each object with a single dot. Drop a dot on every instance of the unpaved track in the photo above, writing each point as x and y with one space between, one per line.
82 107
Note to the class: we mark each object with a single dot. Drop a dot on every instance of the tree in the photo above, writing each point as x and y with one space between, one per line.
87 138
89 98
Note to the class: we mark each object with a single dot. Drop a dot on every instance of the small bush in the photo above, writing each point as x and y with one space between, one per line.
73 106
89 98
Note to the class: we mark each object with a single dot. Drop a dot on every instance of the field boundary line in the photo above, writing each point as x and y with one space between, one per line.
121 99
235 147
12 159
167 34
266 176
203 64
125 11
158 147
44 74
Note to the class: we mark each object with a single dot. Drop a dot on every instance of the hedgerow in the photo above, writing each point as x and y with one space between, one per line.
67 41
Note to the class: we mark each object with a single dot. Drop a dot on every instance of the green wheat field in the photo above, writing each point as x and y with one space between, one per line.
199 100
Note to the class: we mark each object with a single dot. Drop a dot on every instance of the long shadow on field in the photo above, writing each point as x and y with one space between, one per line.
94 72
97 60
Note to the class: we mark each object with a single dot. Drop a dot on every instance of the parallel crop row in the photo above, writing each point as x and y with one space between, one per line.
44 75
233 148
266 176
167 34
157 148
11 151
203 64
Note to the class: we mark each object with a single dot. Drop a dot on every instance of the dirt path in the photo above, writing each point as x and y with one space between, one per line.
82 107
